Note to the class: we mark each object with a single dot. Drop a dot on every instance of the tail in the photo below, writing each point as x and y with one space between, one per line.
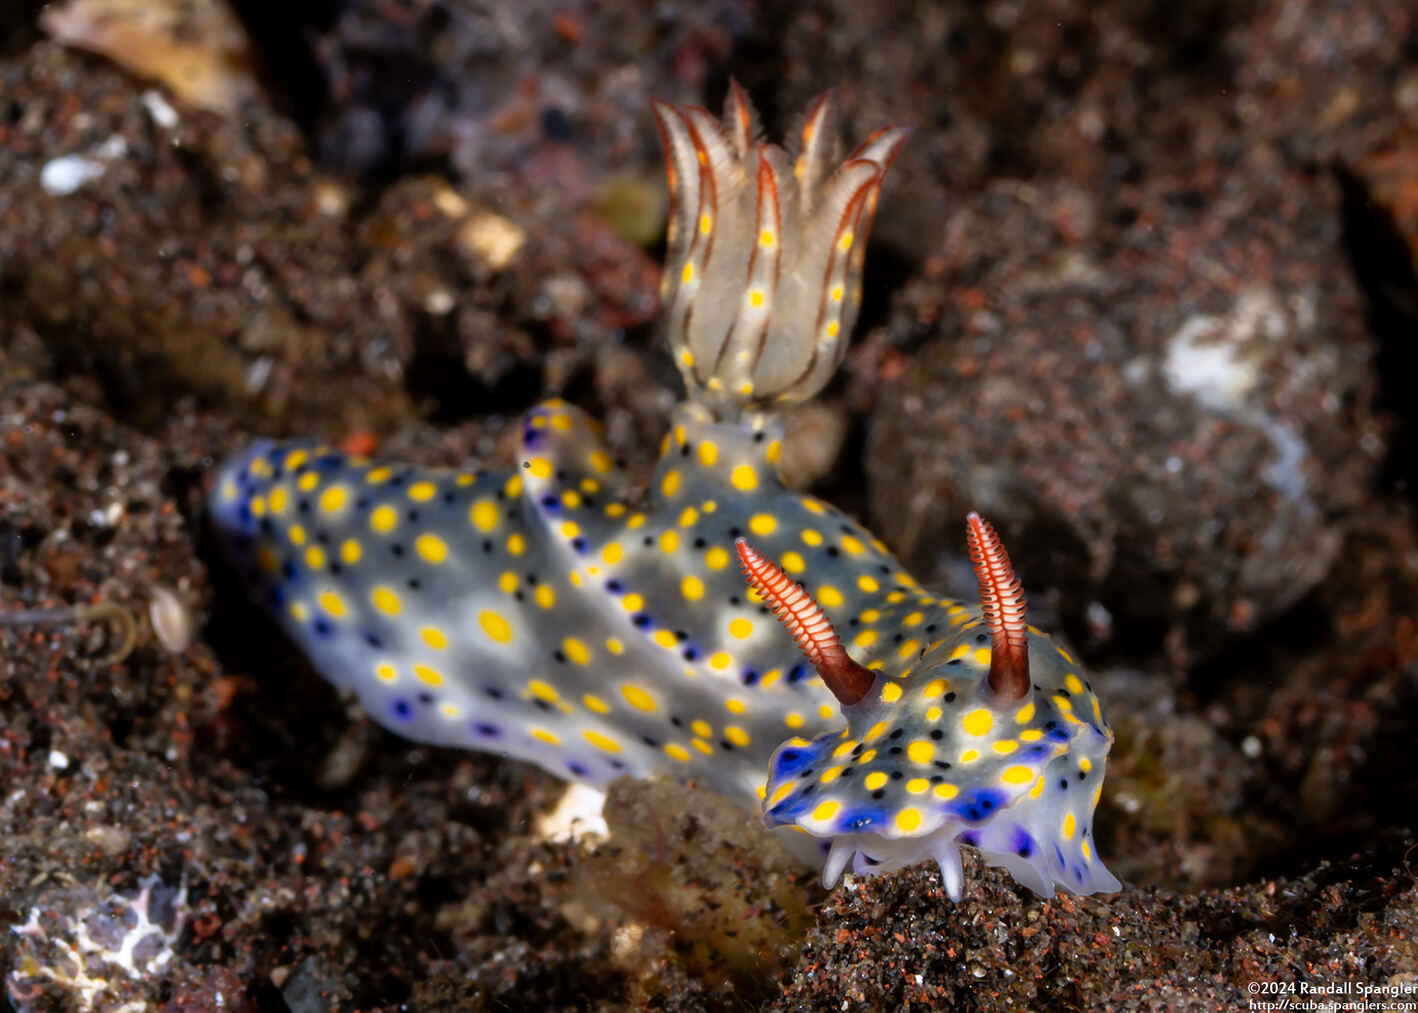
763 276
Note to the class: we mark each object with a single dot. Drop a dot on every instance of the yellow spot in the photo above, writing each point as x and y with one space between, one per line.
843 748
1031 735
516 545
708 453
664 638
934 688
946 791
307 481
1087 851
845 243
826 810
277 500
853 545
755 298
982 656
450 710
507 582
495 626
921 751
744 478
1062 703
421 492
513 488
865 638
675 752
542 691
1017 775
632 602
912 618
561 423
540 467
432 548
692 588
933 714
299 612
891 692
669 541
637 698
765 238
774 451
612 552
428 676
783 792
669 485
811 537
831 774
543 735
868 583
634 521
917 785
1070 824
688 516
570 529
377 476
870 616
350 552
386 673
716 558
874 780
978 721
736 735
614 646
1025 714
544 596
464 480
576 650
434 637
295 459
296 534
740 628
571 499
483 515
1074 684
687 275
315 557
383 519
332 603
908 819
793 720
762 524
969 756
1005 746
601 742
874 731
960 651
836 293
832 328
829 596
385 600
908 648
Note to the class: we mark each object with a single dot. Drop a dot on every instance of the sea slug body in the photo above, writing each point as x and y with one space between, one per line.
560 613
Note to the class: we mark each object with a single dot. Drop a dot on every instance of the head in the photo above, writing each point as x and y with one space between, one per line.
992 739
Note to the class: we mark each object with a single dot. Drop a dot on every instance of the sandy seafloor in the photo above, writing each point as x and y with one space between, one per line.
1141 289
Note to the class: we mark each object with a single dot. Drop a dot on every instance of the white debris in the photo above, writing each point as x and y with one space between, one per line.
64 175
576 817
163 114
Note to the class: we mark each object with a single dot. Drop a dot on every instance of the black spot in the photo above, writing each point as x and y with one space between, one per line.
930 628
414 583
849 772
322 538
396 549
895 750
684 450
699 543
487 545
937 734
372 640
758 436
641 620
450 498
942 765
617 765
398 480
897 733
735 532
1063 693
650 741
726 744
336 569
493 693
579 544
362 503
949 698
885 569
690 654
953 661
677 722
486 730
807 791
541 704
807 773
879 793
519 596
896 775
303 506
1063 783
937 778
614 586
413 515
833 551
980 638
561 658
648 540
898 638
854 621
1083 775
1051 726
734 599
749 677
680 635
858 750
288 570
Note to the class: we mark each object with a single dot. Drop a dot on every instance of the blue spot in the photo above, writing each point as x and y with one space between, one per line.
576 769
579 544
487 731
1021 842
401 710
551 503
322 628
372 640
970 837
860 820
614 586
749 677
691 653
641 620
796 673
978 805
789 761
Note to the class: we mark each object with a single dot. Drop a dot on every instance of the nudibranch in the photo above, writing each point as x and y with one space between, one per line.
562 613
